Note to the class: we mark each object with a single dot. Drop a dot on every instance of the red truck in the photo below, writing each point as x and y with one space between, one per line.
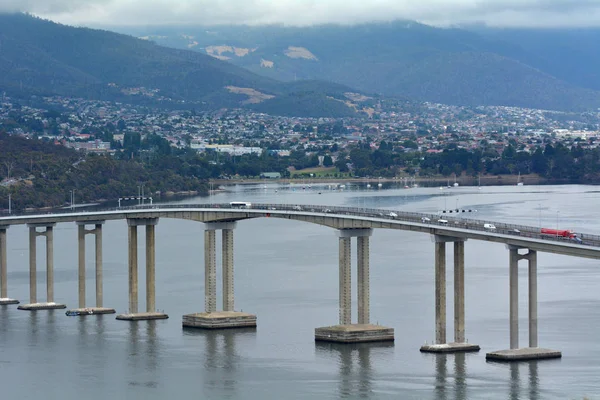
558 232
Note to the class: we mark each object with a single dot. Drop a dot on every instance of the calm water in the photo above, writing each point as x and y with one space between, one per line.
286 273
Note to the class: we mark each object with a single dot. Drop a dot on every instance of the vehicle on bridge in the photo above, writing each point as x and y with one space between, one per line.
489 227
560 233
240 204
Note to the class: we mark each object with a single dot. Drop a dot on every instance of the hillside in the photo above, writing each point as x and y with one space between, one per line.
40 174
550 69
45 58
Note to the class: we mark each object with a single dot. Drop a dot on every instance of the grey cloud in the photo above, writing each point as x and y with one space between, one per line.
307 12
50 6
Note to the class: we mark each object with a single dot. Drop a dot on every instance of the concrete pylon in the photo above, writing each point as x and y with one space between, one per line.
345 284
363 331
48 233
440 292
228 317
151 313
81 261
228 280
81 234
4 299
441 345
459 292
533 352
363 292
210 272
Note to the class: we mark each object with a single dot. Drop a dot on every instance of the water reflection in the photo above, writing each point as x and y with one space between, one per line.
144 353
455 385
533 392
221 356
524 387
355 370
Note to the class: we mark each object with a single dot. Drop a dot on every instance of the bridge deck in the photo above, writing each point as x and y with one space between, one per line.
338 218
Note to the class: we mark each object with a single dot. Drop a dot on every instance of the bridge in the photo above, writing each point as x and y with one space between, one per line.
522 242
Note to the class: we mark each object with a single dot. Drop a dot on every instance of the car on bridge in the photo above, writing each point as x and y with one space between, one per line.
393 214
425 219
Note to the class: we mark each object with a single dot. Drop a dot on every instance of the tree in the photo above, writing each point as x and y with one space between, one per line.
327 161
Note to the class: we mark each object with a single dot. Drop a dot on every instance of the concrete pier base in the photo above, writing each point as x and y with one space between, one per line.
90 311
354 333
41 306
219 320
450 348
144 316
6 301
524 354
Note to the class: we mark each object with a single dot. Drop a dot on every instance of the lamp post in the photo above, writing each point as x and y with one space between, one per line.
9 204
540 214
72 198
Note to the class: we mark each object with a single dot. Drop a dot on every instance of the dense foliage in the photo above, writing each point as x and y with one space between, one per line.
40 174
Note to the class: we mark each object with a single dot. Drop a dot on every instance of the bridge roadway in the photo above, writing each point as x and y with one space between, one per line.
523 243
338 218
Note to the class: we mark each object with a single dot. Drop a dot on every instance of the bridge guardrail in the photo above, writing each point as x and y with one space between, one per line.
406 216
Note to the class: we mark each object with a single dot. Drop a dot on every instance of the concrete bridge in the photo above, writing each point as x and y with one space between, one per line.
522 242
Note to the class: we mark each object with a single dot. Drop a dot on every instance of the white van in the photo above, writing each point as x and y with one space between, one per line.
442 221
489 227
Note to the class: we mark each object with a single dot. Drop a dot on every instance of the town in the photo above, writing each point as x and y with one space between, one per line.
408 131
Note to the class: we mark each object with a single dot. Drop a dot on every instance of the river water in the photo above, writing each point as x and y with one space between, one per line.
286 273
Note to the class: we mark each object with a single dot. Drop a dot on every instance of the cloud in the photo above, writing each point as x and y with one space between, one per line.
309 12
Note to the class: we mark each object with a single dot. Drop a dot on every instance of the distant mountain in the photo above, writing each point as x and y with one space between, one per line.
549 69
44 58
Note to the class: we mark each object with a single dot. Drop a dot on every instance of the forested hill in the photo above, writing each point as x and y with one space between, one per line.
45 58
42 174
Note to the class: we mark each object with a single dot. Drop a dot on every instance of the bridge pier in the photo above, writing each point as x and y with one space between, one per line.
346 331
151 312
4 299
81 233
211 318
533 352
459 344
33 305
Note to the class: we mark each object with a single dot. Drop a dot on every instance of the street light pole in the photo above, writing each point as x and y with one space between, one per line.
540 214
9 204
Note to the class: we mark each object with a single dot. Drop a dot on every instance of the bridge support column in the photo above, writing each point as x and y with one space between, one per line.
4 299
533 352
33 305
151 313
228 317
346 331
459 344
345 280
81 234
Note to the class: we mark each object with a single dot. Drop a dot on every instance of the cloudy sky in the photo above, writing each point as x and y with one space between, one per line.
306 12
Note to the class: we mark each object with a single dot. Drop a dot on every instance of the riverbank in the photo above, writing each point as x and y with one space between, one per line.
464 180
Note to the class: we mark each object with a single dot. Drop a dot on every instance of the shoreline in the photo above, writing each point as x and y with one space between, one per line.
486 180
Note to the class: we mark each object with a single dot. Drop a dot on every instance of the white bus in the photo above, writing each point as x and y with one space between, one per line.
240 204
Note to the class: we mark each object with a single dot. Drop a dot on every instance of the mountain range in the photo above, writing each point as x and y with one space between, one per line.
538 68
40 57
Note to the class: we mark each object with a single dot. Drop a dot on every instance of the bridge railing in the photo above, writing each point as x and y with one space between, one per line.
396 215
